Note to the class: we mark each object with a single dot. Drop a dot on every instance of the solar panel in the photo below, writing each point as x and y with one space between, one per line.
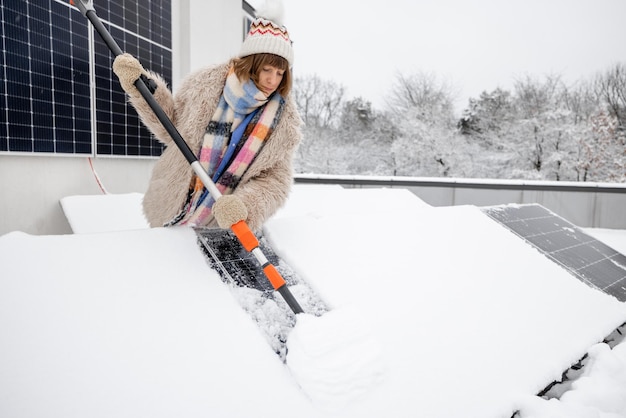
251 288
45 94
588 259
119 129
238 266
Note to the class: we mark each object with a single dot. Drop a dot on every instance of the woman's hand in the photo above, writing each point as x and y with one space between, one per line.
128 69
228 210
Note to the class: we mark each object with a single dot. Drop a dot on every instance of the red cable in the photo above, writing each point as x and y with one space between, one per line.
93 170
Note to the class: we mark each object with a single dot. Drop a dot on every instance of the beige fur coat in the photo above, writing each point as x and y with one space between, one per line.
265 185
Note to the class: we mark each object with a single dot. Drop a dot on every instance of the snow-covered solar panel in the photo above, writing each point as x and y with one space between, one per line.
47 104
590 260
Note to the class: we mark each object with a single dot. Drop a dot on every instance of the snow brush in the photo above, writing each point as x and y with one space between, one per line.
241 229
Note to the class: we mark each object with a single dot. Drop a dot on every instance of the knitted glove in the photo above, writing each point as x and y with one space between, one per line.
128 69
228 210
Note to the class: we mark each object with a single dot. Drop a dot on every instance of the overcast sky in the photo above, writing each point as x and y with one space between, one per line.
475 45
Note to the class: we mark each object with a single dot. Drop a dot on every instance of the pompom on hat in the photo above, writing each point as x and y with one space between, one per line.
268 35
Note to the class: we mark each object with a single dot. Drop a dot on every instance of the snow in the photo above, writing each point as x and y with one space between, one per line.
113 212
437 312
334 358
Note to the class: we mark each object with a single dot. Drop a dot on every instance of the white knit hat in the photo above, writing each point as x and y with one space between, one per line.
267 35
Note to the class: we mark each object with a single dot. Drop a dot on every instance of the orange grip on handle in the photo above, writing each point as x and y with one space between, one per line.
274 276
245 235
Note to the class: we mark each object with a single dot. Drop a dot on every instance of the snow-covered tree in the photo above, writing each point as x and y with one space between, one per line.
543 129
366 136
610 87
487 115
421 107
431 99
319 104
319 101
602 152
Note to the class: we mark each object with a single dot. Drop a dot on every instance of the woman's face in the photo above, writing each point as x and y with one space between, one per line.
269 79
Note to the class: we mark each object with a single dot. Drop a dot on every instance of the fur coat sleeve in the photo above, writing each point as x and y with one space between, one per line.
265 185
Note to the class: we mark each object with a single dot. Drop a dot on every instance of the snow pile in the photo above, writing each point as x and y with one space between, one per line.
334 358
127 324
99 213
469 288
462 319
599 392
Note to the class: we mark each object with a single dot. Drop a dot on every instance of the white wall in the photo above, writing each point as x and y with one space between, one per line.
31 187
204 32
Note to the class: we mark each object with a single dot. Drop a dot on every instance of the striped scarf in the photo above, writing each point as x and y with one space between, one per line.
237 101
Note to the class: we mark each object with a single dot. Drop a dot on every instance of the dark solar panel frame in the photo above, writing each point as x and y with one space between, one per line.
235 265
240 268
588 259
45 93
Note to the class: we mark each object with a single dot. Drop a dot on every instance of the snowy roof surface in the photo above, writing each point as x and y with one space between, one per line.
466 319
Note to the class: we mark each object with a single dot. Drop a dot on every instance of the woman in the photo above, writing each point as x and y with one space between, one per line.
241 122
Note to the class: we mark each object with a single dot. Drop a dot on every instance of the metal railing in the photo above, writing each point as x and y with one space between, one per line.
598 205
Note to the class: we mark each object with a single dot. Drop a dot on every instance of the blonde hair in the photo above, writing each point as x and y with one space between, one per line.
249 68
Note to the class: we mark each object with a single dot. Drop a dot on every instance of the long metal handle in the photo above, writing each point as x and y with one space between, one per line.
241 229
